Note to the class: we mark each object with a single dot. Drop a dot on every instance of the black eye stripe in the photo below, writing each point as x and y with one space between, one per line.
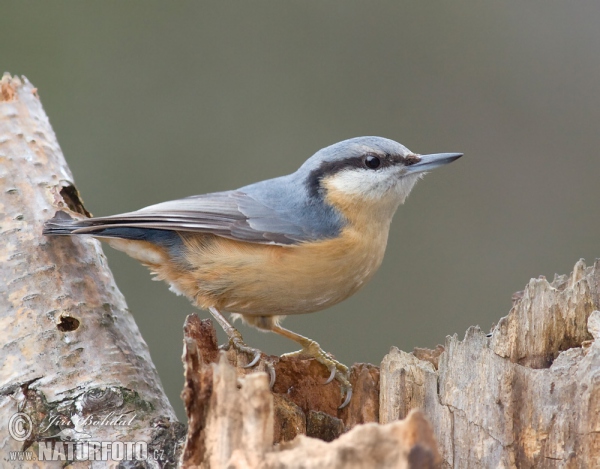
329 168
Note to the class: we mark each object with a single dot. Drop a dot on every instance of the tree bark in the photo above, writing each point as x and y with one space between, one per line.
70 350
526 395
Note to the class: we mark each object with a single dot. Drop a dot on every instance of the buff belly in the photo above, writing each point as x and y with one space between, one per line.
263 280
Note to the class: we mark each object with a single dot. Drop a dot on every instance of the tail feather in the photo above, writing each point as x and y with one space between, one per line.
61 225
64 225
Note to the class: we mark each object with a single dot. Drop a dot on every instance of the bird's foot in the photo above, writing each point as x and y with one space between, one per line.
338 371
236 342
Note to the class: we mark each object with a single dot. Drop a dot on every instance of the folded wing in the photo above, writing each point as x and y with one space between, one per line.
231 214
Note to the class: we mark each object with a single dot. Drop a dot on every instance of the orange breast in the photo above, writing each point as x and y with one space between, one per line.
275 280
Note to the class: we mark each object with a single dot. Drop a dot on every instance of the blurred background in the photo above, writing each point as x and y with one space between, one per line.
154 101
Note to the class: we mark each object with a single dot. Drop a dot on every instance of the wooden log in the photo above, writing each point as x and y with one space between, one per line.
70 350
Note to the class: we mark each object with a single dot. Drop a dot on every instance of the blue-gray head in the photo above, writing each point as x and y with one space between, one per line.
364 177
368 169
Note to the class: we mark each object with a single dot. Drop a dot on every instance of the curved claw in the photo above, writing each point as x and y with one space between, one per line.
254 361
347 400
271 370
332 369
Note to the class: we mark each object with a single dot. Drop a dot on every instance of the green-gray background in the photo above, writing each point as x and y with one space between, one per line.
158 100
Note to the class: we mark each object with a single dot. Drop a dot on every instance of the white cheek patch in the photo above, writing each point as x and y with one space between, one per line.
365 182
374 184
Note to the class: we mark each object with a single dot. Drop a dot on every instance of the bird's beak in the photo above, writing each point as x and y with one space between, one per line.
429 162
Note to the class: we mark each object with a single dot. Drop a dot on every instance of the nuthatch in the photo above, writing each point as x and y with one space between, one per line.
291 245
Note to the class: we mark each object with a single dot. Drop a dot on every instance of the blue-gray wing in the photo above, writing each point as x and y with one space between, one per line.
231 214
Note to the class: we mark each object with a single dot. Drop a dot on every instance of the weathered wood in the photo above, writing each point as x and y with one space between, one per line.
70 350
232 421
526 396
303 403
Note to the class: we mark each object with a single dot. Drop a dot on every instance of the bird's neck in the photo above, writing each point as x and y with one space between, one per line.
369 217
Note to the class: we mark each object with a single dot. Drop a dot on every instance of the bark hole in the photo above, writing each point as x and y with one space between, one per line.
71 197
67 324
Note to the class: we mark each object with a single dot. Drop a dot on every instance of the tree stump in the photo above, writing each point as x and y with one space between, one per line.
526 395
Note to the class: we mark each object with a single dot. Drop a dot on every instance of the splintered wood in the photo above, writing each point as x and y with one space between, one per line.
233 419
528 396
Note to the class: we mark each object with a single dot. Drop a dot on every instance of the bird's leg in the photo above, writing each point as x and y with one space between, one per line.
235 338
312 349
237 342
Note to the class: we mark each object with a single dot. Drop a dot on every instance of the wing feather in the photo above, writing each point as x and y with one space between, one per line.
231 214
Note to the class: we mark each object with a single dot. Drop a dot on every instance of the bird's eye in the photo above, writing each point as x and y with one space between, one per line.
372 162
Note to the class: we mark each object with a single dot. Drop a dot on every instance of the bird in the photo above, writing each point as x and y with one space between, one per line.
294 244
